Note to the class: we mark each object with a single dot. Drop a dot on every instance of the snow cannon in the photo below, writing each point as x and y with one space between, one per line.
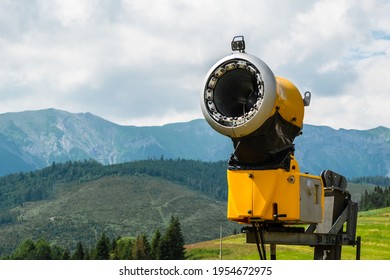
262 114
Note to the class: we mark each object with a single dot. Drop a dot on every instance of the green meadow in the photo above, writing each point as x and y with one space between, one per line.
373 227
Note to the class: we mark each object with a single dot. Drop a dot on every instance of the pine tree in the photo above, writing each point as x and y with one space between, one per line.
66 254
79 253
172 243
25 251
57 252
141 248
156 246
102 249
123 249
377 198
42 250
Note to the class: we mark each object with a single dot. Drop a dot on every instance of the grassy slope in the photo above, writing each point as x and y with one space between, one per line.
373 227
126 206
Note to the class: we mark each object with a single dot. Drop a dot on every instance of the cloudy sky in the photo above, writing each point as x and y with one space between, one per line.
142 62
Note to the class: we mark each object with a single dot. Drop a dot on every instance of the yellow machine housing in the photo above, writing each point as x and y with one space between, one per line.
262 114
275 195
288 102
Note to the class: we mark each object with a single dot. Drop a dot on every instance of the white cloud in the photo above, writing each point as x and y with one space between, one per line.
69 12
144 61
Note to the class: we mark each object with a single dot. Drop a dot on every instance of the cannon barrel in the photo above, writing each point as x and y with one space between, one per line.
260 112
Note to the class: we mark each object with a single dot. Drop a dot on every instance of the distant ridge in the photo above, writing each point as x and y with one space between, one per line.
35 139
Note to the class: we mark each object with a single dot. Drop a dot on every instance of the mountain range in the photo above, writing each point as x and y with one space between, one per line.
31 140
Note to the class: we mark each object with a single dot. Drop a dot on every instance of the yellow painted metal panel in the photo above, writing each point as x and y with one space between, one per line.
253 193
240 192
289 102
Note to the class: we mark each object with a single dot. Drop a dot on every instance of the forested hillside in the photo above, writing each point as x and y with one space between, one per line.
78 201
207 178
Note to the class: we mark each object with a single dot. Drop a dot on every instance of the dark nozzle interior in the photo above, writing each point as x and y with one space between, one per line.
235 93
